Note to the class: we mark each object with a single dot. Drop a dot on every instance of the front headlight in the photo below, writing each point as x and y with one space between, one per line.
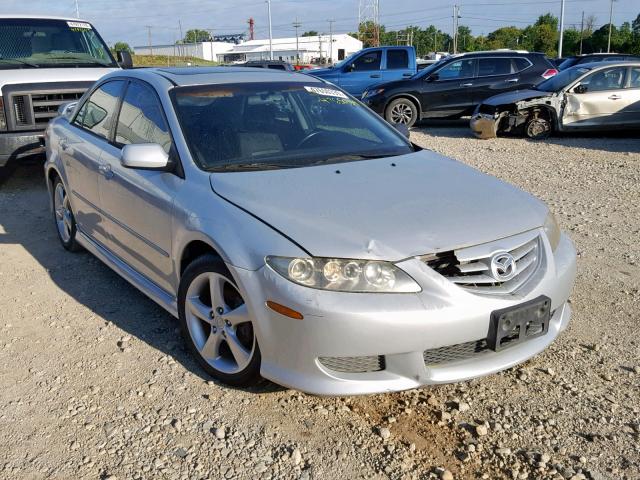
552 230
371 93
344 275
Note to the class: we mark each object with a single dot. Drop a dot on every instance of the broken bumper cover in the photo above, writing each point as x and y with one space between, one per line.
484 125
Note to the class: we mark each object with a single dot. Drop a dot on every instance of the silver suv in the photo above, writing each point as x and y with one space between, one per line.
299 237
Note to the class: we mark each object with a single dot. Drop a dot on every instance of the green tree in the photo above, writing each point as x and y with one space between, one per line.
505 37
121 47
196 35
310 33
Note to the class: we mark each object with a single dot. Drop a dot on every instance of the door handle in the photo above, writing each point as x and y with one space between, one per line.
512 80
614 97
375 75
407 74
466 84
105 169
64 145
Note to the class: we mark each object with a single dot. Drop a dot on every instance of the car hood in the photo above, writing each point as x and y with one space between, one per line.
515 96
391 208
47 75
321 72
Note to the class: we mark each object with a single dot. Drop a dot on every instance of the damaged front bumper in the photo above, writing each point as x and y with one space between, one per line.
484 126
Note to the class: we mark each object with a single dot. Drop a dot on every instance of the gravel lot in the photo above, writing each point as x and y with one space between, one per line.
96 383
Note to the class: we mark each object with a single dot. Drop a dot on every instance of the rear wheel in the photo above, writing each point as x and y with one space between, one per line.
403 111
538 126
63 216
216 323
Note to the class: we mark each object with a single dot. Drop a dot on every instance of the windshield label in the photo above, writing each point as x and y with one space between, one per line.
327 92
82 25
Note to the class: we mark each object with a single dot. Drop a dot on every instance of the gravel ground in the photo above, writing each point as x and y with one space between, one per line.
96 383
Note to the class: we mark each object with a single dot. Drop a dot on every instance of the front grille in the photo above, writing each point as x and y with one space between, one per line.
374 363
471 268
20 110
33 110
451 353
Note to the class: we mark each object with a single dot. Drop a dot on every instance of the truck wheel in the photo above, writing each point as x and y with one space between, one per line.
401 110
63 217
538 128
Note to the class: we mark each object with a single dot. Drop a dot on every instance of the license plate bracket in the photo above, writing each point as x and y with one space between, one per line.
513 325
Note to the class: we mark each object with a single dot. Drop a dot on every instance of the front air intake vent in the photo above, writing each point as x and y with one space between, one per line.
374 363
20 110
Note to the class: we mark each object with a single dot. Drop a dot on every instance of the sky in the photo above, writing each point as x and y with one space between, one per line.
127 20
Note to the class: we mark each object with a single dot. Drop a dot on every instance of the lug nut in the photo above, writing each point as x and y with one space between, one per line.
214 329
228 323
212 314
220 310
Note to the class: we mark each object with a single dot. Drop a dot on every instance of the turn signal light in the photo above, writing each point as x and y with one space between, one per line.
286 311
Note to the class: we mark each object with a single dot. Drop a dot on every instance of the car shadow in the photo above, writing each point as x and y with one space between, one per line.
27 221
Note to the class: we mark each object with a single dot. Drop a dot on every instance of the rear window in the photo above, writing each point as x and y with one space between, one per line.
521 63
494 66
397 59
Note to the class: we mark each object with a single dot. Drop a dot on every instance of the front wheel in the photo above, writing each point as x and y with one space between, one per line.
403 111
538 128
216 324
63 216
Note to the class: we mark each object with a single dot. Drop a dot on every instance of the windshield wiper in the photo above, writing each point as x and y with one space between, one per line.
21 62
250 166
80 61
351 156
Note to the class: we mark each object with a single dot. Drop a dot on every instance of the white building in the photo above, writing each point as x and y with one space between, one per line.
309 49
205 50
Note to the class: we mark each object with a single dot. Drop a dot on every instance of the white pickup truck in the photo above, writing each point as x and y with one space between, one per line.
44 62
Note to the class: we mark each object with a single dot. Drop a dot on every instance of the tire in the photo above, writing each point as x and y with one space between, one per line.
538 127
219 333
401 110
63 217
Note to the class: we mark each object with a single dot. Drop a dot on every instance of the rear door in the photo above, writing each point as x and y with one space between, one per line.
604 103
631 110
497 75
81 148
450 91
364 71
398 64
138 204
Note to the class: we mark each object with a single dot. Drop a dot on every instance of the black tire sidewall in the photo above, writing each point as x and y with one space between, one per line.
71 245
210 263
397 101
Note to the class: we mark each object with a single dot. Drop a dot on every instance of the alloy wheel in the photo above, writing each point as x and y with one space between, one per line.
64 217
401 113
219 324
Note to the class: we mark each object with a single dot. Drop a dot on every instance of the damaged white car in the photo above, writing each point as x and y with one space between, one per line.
592 96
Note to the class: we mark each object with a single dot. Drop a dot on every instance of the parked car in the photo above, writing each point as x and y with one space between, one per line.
370 66
597 57
452 87
297 235
271 64
590 96
44 62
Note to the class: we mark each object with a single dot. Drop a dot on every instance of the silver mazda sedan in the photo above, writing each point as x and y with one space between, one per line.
299 237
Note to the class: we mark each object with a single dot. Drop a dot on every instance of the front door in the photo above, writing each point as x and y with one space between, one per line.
495 75
81 148
600 99
364 71
449 92
138 204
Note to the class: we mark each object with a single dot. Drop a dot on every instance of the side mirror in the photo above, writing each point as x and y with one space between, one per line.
146 156
66 109
124 59
402 128
580 89
433 77
350 68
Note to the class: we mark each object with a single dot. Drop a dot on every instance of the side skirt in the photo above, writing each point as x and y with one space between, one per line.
142 283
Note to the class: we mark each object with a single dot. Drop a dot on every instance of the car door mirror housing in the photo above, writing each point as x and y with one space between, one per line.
433 77
66 109
580 89
124 59
146 156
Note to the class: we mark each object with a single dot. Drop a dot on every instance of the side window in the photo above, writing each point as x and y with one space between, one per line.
141 118
494 66
368 61
635 78
276 66
457 69
397 59
520 64
97 113
607 79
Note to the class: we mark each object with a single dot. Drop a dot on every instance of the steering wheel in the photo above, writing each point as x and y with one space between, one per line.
309 137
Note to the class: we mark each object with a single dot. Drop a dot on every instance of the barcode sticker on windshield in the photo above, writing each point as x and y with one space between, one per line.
83 25
327 92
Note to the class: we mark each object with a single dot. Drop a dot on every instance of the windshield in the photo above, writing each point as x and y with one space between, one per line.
562 79
347 60
280 125
568 62
34 43
431 68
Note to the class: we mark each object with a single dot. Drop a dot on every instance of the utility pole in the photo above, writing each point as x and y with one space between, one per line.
581 31
320 45
270 32
561 29
77 10
148 27
297 25
331 41
180 50
210 43
456 15
610 20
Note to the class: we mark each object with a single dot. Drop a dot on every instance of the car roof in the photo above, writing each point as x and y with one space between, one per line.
189 76
605 55
41 17
594 65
